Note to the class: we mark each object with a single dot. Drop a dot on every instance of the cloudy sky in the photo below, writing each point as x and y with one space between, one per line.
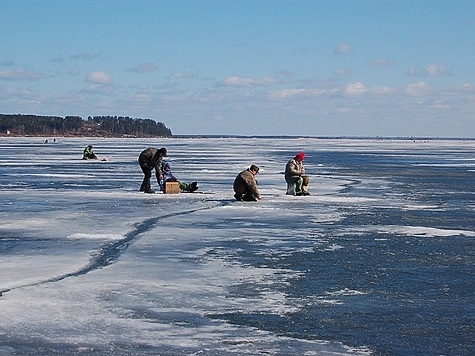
245 67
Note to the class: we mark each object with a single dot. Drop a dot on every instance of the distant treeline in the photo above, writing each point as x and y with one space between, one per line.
108 126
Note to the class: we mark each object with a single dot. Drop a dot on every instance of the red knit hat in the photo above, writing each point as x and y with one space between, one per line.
300 156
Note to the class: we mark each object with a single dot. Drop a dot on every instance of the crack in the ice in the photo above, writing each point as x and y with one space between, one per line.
111 253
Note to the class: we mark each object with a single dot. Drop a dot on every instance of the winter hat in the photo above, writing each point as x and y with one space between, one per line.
167 164
300 156
253 167
163 151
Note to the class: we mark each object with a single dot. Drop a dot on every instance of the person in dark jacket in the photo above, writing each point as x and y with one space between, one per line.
150 159
295 174
168 176
245 185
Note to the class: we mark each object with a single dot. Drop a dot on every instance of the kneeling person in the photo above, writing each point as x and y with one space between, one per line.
88 153
245 185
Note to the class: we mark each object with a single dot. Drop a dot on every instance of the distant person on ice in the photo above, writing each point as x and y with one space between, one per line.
245 185
169 177
148 160
295 173
88 153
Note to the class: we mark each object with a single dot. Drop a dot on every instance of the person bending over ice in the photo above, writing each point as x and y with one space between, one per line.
150 159
295 174
169 177
245 185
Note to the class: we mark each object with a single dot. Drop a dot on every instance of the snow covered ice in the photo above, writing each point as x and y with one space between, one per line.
89 265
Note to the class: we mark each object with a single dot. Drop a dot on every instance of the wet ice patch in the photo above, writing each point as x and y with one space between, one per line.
333 247
62 175
421 231
83 236
414 231
346 291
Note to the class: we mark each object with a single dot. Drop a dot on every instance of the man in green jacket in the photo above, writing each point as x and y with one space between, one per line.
88 153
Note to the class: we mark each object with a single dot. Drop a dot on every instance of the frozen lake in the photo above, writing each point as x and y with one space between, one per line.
379 260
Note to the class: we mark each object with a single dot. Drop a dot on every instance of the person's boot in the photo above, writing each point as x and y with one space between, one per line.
194 187
147 189
249 197
145 185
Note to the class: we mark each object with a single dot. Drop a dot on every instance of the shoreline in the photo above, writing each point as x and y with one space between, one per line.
381 138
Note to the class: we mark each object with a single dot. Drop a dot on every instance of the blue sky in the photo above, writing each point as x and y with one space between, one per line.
257 67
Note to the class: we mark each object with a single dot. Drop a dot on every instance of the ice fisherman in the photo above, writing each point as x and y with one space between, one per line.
88 153
245 185
151 158
295 174
168 176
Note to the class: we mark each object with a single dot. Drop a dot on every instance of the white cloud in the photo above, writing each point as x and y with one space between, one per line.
20 75
184 75
343 48
286 93
236 81
140 97
352 89
15 92
356 89
99 77
98 88
266 81
382 90
289 93
436 70
342 72
432 70
418 89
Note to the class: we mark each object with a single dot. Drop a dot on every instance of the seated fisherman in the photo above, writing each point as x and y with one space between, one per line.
295 174
169 177
88 153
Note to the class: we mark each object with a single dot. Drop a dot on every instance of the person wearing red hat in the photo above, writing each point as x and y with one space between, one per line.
295 174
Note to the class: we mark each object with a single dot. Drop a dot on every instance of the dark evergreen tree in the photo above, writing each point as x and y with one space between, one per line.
117 126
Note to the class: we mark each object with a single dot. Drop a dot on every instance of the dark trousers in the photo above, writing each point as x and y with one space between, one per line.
147 172
247 196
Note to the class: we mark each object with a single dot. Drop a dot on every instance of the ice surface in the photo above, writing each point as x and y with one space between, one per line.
90 265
